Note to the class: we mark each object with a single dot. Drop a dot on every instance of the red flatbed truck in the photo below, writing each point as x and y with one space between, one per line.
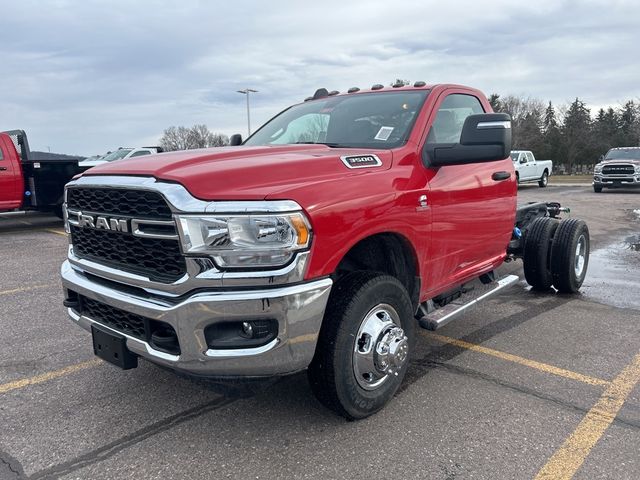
321 242
29 184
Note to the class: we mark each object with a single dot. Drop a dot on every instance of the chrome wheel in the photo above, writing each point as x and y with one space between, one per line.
581 255
381 347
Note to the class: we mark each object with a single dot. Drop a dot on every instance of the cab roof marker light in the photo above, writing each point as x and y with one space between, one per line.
333 92
377 86
420 84
320 93
353 90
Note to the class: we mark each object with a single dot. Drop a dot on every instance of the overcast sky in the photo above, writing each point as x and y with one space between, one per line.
84 77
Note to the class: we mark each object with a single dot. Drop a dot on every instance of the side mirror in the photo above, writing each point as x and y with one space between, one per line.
601 158
523 160
485 137
235 139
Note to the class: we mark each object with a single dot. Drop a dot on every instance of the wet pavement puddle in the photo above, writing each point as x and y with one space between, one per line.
613 275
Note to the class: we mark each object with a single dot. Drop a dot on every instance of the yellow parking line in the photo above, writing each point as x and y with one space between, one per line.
7 387
544 367
573 452
53 230
25 289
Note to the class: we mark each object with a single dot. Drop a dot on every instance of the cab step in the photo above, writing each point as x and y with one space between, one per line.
441 316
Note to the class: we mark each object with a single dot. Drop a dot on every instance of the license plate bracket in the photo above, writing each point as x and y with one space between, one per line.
112 347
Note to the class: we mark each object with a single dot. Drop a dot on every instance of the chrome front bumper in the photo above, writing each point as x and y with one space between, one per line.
616 180
299 310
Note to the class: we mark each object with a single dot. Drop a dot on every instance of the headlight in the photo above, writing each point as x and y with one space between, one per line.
598 169
637 168
260 240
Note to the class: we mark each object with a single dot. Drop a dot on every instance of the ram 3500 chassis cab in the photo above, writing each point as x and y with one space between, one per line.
320 243
28 184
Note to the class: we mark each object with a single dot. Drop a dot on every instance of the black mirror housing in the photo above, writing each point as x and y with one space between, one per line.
235 140
485 137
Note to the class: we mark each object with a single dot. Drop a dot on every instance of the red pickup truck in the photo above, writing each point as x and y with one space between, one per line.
29 184
321 242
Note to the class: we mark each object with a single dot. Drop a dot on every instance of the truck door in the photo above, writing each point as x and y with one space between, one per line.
10 175
532 167
472 213
519 160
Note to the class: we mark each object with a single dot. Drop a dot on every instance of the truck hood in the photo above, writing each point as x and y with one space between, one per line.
244 173
634 161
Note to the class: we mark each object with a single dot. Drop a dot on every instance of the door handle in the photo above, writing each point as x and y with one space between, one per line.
3 169
499 176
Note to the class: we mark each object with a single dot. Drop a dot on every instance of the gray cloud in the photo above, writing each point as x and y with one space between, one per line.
85 77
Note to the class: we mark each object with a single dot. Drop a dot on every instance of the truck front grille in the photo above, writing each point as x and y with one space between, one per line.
135 326
158 259
116 201
618 169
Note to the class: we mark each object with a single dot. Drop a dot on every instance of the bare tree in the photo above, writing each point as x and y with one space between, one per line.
175 138
198 136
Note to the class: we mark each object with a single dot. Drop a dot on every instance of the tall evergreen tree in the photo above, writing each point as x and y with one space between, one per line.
551 136
496 104
578 145
605 130
629 124
550 120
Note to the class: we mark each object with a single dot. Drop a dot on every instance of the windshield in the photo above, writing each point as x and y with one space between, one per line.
368 120
629 154
117 155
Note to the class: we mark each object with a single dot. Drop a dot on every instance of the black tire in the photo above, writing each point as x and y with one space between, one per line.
537 252
544 180
597 189
332 373
567 268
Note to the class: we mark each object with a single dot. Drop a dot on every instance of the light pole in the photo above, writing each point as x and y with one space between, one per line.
246 92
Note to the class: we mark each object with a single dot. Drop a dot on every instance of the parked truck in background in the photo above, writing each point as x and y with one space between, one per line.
28 184
321 242
528 169
120 154
620 167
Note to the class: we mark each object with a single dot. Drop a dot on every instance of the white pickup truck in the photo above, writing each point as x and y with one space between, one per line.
121 154
528 169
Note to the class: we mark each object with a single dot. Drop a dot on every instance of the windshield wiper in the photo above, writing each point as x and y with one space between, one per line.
328 144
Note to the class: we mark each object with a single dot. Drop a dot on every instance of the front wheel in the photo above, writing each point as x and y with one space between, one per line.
597 189
544 180
364 346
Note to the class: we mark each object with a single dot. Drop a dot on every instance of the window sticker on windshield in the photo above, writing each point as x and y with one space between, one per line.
384 133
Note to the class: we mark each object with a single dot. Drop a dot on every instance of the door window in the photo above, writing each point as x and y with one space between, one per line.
529 157
447 127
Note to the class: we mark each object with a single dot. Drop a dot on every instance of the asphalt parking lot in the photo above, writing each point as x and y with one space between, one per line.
526 385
